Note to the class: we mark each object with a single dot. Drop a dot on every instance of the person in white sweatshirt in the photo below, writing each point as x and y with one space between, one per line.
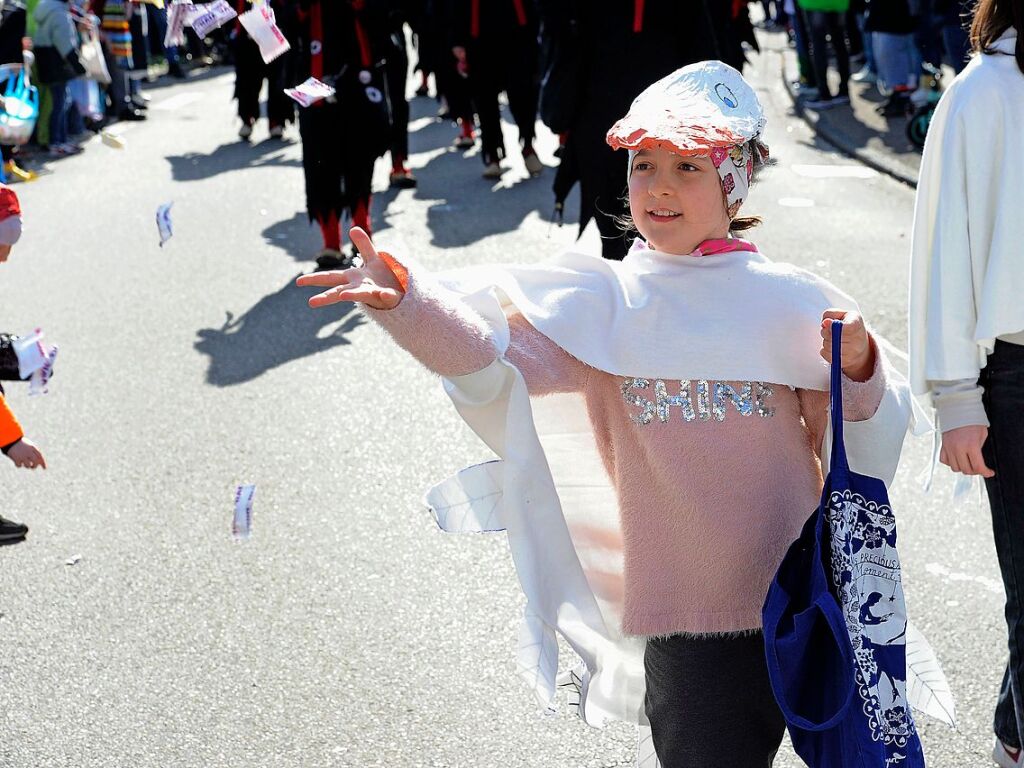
966 311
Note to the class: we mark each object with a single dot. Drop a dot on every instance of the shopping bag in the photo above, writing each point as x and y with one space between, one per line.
835 622
91 56
21 105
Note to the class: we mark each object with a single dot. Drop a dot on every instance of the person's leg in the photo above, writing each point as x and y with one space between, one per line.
395 71
280 108
523 88
892 52
819 23
803 54
248 81
1003 382
710 703
321 167
483 83
59 115
869 44
837 32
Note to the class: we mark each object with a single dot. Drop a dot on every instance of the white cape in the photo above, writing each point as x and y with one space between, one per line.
736 316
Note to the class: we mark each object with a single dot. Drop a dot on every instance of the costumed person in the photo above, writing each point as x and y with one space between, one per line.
966 314
251 71
495 43
659 420
603 56
13 443
343 43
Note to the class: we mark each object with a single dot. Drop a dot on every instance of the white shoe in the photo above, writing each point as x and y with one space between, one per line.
1006 757
245 131
277 132
492 171
864 75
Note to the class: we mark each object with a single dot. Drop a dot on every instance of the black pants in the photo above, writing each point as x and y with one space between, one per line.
511 67
337 167
395 71
1003 380
250 72
822 24
710 703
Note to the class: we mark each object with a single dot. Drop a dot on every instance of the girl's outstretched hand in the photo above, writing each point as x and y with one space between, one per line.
858 356
373 284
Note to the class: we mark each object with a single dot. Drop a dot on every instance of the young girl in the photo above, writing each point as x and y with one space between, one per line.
966 314
671 451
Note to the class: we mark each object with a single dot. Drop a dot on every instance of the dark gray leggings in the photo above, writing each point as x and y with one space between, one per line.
710 703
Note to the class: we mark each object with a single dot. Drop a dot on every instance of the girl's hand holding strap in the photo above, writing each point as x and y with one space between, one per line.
858 353
374 284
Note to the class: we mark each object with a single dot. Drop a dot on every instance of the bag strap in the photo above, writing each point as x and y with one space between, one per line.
838 461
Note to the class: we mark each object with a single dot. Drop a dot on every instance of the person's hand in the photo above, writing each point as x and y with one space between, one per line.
26 455
373 284
961 450
459 52
26 43
858 356
5 251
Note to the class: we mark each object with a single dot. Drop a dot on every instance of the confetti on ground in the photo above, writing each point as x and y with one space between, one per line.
241 526
163 222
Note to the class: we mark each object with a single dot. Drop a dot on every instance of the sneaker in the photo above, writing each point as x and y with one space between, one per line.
277 131
402 178
329 259
895 106
864 75
245 131
533 163
465 142
16 173
1007 757
12 531
493 170
819 104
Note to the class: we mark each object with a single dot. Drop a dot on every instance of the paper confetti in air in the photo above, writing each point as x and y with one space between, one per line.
310 92
259 23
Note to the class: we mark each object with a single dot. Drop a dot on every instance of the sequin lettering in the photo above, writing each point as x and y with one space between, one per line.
711 402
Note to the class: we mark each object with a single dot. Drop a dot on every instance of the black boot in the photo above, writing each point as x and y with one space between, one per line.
11 531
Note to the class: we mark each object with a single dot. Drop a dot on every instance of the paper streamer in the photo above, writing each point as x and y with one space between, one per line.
212 16
35 361
310 92
259 23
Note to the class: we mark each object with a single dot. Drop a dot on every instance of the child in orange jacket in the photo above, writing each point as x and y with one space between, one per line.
13 442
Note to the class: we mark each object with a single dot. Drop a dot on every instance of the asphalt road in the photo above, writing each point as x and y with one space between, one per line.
348 631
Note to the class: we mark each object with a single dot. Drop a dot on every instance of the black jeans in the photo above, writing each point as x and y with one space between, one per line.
1003 380
822 24
710 703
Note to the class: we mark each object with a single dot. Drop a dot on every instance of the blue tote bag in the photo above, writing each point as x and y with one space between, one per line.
835 623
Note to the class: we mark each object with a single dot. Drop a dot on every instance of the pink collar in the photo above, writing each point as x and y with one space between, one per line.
723 245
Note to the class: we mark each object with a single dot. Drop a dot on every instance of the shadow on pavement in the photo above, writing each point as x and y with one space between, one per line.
279 328
195 166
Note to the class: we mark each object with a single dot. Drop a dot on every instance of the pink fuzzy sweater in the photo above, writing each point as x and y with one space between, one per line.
709 505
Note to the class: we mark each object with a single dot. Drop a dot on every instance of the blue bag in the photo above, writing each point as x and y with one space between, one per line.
835 623
21 105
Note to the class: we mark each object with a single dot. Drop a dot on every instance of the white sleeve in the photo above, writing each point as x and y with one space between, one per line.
942 291
958 404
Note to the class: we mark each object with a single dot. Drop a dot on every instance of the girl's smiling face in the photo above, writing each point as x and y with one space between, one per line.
676 202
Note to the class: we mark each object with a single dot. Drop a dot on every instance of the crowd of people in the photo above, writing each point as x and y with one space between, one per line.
896 45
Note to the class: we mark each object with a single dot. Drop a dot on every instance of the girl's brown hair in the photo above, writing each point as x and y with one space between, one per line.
991 19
